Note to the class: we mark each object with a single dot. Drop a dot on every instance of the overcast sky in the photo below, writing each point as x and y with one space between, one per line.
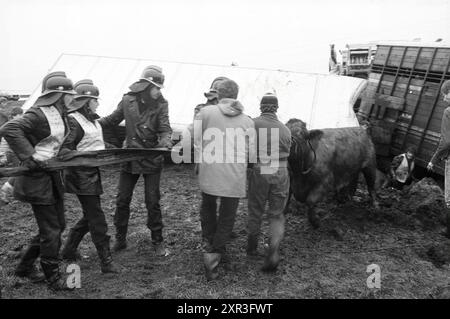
282 34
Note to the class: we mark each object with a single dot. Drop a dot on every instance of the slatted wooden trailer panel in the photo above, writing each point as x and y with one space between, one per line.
403 100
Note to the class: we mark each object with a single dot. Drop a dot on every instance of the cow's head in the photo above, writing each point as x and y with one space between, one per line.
304 142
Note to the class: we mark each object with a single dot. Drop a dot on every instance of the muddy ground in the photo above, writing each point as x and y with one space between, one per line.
402 237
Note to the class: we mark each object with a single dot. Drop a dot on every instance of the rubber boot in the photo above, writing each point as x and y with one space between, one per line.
55 280
160 249
106 262
58 283
211 261
206 245
69 251
447 219
121 239
313 218
33 274
158 244
276 231
26 267
252 245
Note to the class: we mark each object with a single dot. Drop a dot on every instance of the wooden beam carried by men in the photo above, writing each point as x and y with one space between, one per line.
90 159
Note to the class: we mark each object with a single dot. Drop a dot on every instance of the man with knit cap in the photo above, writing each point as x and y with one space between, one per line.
146 115
35 138
224 178
443 150
86 135
269 181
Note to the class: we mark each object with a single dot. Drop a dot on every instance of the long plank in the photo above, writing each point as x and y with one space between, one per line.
89 159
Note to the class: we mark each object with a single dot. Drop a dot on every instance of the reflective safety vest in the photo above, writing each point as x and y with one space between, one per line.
49 146
403 170
93 134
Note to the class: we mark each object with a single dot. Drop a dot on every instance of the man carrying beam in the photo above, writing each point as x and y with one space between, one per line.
86 135
146 116
35 138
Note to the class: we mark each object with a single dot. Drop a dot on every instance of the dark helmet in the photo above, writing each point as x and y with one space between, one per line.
151 75
154 75
86 88
54 85
57 82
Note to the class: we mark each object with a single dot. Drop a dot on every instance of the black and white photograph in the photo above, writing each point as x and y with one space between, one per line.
225 155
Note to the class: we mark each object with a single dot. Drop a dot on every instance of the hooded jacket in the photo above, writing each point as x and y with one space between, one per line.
223 165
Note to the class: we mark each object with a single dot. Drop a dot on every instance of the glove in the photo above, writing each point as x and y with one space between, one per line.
31 164
108 145
66 154
430 167
165 143
3 161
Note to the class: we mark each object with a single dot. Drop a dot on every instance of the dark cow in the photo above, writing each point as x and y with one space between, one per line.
329 161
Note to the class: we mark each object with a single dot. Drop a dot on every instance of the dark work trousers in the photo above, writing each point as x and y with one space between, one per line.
127 182
51 224
215 229
93 220
263 188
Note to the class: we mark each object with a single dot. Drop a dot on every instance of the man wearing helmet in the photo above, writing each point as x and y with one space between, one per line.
146 116
86 135
34 138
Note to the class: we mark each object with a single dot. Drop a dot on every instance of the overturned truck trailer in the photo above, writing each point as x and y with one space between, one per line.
403 100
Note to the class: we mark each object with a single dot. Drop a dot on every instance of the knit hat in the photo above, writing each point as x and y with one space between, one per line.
269 103
445 88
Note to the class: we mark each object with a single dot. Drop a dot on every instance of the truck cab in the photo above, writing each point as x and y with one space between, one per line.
357 59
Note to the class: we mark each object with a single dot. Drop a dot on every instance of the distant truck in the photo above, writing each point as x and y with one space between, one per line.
357 59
